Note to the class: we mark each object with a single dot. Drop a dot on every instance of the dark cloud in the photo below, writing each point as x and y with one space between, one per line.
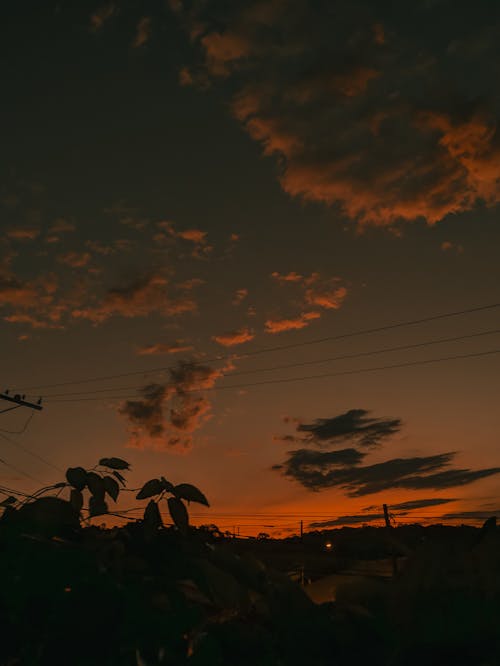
410 505
373 517
348 520
480 515
318 471
353 425
311 461
384 109
167 414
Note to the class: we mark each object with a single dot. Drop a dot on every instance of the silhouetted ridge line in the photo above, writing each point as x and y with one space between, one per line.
266 350
302 378
305 363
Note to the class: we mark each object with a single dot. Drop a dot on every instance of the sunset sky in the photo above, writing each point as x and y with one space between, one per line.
213 190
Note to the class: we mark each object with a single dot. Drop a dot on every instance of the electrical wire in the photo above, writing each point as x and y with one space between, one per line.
20 471
266 350
302 378
306 363
24 428
30 452
11 491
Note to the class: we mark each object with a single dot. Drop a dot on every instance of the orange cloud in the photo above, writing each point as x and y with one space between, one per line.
166 415
103 14
280 325
31 302
379 34
16 293
31 320
140 298
222 50
23 233
176 347
75 259
143 32
365 126
447 246
233 338
60 226
239 296
321 292
288 277
193 235
324 293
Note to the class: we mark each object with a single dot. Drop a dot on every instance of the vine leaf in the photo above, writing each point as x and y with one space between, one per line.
114 463
76 499
179 513
96 486
169 487
152 516
97 506
111 487
190 493
150 488
120 477
77 477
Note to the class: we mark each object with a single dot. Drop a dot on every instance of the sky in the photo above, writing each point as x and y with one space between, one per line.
203 205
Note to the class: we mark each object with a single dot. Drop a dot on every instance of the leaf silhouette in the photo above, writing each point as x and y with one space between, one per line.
49 516
97 506
179 513
150 488
96 485
111 487
152 516
120 477
114 463
76 499
169 487
77 477
190 493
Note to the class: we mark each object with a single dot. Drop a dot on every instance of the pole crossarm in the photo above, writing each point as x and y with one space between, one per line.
20 402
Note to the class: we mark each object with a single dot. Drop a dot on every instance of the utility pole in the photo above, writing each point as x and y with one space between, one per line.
19 401
301 530
389 528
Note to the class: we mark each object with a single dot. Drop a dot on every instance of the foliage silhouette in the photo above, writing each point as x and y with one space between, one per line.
145 593
148 594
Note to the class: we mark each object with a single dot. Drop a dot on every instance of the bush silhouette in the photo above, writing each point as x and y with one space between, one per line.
144 593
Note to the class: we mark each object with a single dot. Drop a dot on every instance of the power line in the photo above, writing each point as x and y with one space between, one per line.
23 429
266 350
304 377
11 491
306 363
20 471
30 452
